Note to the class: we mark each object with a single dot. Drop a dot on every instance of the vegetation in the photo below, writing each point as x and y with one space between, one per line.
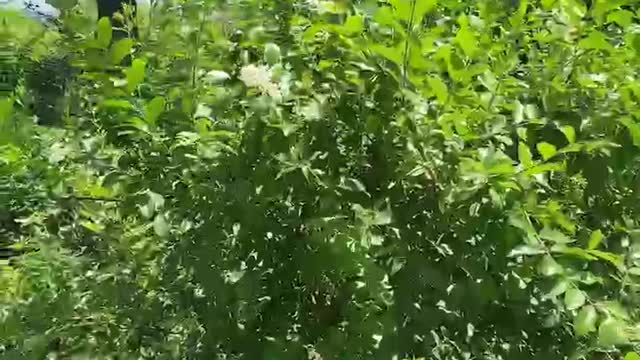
268 179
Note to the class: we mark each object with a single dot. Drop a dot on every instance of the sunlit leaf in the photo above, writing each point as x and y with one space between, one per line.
570 133
136 74
555 236
353 25
595 41
93 226
546 150
595 239
549 267
524 155
104 33
439 88
116 104
518 112
612 332
383 217
153 109
526 250
632 356
546 167
217 76
624 18
585 321
466 39
389 53
120 50
410 12
574 299
160 225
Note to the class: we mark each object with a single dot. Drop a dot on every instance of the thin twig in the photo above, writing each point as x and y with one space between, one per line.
405 60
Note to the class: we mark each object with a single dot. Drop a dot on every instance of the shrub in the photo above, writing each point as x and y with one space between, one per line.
405 179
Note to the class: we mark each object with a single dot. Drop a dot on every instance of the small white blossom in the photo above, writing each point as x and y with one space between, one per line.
259 77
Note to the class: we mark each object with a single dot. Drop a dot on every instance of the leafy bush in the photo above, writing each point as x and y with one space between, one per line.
330 180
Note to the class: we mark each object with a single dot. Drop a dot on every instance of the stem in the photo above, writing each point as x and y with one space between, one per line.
405 60
196 55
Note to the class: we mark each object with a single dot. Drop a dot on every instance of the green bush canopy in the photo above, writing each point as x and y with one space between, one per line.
279 179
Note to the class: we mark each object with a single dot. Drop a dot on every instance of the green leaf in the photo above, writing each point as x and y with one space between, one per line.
422 8
526 250
531 111
383 217
233 277
595 41
524 155
520 219
146 211
116 104
585 321
439 88
93 226
135 74
549 267
632 356
574 299
465 38
271 54
595 239
153 109
547 167
555 236
353 25
611 332
160 225
155 202
216 77
402 9
546 150
570 133
6 108
634 129
120 50
614 309
615 259
574 251
624 18
385 16
558 289
392 54
405 9
352 184
633 41
518 112
105 32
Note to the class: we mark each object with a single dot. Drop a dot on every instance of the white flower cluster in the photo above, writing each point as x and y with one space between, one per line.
39 10
260 77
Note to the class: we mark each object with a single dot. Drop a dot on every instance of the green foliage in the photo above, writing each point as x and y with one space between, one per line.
328 180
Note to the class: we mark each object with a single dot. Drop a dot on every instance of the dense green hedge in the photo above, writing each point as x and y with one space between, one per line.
330 180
